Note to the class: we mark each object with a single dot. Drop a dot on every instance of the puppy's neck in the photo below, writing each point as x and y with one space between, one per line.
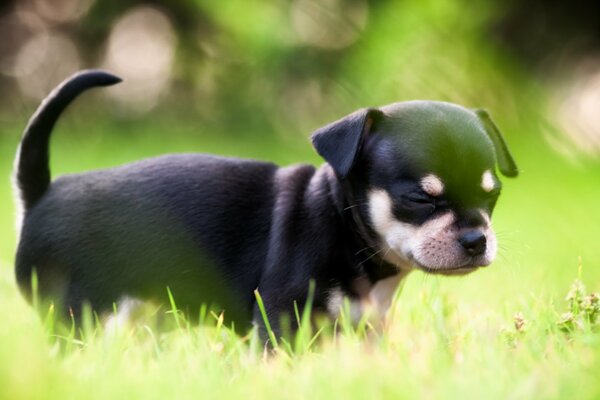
368 254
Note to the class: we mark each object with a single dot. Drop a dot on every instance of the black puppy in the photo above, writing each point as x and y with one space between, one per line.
409 185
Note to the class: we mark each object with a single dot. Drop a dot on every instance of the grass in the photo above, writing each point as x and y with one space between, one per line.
438 345
522 328
503 332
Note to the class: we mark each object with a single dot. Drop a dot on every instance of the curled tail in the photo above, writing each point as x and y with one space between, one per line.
32 169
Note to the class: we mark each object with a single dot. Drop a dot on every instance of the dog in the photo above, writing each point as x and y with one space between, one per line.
407 186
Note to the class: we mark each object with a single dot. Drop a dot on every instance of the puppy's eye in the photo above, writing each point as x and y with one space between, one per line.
419 202
418 198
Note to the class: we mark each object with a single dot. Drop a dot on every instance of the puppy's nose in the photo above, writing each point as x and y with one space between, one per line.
473 242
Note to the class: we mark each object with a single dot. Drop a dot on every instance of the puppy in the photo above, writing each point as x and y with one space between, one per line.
407 186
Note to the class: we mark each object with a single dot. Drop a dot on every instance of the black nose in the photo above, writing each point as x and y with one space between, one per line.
473 242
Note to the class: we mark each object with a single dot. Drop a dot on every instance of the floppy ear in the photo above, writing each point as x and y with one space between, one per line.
506 163
339 143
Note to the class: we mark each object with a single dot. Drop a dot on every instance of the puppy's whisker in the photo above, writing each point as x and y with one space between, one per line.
502 257
424 277
384 255
370 257
363 249
355 205
503 235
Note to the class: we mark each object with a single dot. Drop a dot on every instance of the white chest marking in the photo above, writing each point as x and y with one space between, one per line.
374 300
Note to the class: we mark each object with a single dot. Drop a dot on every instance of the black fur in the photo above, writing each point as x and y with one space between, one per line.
33 172
339 143
211 229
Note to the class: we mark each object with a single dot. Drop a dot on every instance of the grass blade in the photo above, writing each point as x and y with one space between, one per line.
263 312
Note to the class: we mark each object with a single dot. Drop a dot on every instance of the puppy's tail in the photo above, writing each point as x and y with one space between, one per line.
32 169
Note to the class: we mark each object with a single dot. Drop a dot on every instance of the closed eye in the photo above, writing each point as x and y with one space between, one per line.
419 198
418 202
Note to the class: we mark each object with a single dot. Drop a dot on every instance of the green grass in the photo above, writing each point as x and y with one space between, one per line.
447 336
439 344
498 333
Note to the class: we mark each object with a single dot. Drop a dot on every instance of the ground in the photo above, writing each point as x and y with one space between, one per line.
502 332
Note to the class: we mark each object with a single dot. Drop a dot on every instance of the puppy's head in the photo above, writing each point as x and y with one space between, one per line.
421 176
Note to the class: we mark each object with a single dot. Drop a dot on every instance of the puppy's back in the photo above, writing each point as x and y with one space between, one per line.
136 229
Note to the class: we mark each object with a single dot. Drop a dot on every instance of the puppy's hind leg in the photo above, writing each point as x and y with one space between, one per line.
44 285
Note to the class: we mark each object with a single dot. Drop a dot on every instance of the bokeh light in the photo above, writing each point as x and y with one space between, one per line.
579 110
45 60
141 49
16 29
62 10
332 24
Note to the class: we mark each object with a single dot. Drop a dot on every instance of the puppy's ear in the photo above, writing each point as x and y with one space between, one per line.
339 143
506 163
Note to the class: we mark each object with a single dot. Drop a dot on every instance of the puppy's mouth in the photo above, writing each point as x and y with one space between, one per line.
460 270
469 265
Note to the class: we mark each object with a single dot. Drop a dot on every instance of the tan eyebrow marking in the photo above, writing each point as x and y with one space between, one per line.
432 185
487 181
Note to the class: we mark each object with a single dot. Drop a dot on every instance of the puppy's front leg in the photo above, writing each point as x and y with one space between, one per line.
280 303
279 315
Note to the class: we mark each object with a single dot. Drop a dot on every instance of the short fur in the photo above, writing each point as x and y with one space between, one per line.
214 229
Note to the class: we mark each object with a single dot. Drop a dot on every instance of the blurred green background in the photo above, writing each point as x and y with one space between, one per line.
254 78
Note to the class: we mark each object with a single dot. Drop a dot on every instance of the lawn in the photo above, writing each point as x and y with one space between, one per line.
522 328
501 332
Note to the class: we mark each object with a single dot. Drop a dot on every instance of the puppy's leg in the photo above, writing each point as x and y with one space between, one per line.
273 321
126 309
73 303
280 315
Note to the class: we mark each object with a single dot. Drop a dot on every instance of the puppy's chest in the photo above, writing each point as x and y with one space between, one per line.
365 298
